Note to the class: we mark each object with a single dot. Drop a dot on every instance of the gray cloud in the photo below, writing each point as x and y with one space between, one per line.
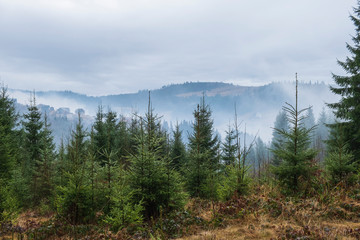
115 46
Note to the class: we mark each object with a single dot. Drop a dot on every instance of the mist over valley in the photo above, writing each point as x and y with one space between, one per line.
256 106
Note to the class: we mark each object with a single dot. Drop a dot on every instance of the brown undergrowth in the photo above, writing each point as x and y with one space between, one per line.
267 214
263 214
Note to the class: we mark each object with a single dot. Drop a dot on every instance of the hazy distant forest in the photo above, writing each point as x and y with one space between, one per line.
125 179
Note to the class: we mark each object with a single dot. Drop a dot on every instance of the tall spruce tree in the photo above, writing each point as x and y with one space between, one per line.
74 199
8 122
109 154
8 158
33 126
204 159
153 182
296 168
348 87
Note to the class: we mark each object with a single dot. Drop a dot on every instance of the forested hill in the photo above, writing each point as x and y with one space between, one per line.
256 106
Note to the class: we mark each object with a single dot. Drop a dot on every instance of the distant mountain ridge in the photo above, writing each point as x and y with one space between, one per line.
256 106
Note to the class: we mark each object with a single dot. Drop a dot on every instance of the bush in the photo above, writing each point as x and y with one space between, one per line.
233 183
9 205
73 201
123 211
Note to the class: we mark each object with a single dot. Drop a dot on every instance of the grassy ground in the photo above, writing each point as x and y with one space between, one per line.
264 214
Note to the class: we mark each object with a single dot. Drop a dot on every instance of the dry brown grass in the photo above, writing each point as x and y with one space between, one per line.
268 215
32 219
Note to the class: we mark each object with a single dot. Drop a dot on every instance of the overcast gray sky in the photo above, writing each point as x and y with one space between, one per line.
103 47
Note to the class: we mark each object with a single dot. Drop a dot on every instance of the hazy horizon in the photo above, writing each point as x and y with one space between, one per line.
266 102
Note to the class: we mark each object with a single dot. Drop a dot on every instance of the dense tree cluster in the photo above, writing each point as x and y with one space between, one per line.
131 169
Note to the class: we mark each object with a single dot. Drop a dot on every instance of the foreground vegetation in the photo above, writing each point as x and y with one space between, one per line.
263 214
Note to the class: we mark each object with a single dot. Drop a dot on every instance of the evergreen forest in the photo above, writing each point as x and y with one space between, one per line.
132 178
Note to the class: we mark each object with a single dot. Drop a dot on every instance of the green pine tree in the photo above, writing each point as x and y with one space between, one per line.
204 162
152 180
338 160
33 128
296 169
348 87
9 171
8 134
74 199
124 211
